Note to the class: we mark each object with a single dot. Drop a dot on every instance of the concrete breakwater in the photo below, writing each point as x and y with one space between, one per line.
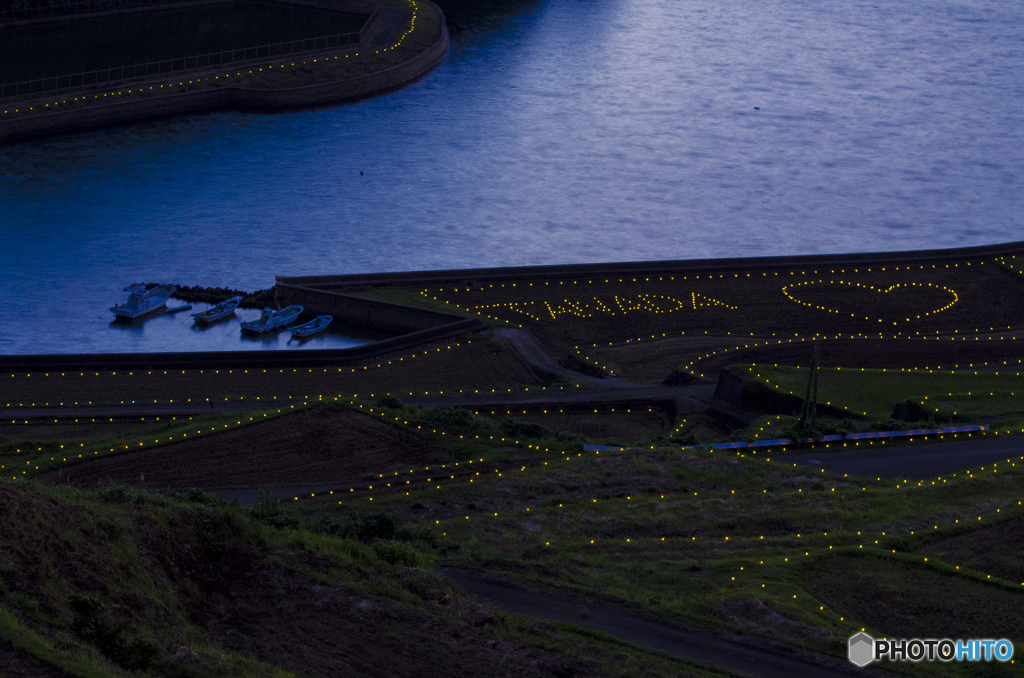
339 282
232 96
215 295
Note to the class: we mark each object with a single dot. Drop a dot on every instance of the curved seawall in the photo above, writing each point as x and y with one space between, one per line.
228 97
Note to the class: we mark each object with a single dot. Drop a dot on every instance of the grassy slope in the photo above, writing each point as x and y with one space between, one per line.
768 511
731 541
874 393
222 594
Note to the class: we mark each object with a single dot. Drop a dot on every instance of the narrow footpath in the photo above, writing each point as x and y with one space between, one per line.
755 658
914 461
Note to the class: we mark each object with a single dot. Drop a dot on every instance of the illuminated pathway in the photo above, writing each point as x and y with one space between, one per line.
916 461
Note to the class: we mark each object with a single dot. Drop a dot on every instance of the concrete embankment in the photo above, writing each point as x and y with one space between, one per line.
380 315
651 267
235 359
228 97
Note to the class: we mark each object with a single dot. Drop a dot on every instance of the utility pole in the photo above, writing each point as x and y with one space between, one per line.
814 403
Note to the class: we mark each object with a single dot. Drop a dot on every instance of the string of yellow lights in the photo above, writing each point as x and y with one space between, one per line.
786 291
661 496
197 80
752 369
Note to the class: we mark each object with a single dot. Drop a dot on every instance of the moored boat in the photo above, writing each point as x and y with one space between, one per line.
272 320
221 310
143 300
315 326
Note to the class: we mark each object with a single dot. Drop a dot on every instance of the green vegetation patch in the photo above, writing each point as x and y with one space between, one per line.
707 538
83 45
941 395
638 427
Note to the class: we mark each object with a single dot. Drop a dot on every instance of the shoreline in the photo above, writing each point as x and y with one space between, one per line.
416 325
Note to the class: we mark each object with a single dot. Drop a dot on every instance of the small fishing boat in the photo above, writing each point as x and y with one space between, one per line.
221 310
318 324
143 300
178 309
272 320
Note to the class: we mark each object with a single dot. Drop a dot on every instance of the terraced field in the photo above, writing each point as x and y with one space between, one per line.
322 444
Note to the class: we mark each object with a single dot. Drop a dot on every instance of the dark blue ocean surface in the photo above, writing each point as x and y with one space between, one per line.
555 131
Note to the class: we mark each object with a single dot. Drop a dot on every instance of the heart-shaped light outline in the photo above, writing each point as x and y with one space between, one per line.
785 290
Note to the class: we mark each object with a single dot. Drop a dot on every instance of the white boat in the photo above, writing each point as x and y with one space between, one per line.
142 301
221 310
272 320
318 324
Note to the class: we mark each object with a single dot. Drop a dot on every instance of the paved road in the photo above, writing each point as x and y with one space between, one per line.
579 396
754 658
915 461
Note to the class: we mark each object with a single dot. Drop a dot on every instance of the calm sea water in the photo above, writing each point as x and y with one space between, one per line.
555 131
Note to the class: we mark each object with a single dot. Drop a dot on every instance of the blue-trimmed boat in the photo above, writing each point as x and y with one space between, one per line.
221 310
272 320
315 326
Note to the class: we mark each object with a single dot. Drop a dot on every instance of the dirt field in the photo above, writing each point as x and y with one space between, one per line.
477 365
12 433
318 445
995 550
913 601
906 300
653 360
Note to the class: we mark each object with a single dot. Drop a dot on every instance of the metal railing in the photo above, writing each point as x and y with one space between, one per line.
189 63
371 23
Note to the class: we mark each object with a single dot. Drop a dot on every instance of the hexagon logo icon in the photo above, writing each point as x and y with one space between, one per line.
862 649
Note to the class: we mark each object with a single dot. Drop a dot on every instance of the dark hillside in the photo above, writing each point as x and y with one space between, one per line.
120 582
